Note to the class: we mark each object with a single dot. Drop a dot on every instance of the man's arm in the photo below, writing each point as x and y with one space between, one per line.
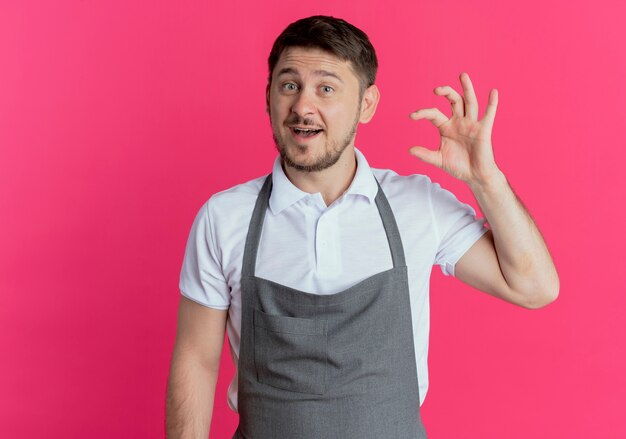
194 370
511 261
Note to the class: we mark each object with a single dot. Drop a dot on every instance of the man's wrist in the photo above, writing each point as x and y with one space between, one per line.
491 184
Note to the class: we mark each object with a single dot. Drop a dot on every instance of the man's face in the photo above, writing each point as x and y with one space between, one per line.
314 107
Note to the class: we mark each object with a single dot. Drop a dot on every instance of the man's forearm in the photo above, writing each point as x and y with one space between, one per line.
522 253
190 395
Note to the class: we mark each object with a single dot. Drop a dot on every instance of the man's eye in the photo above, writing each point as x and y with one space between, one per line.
327 89
290 86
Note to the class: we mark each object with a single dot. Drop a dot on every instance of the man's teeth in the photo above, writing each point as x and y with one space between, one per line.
305 131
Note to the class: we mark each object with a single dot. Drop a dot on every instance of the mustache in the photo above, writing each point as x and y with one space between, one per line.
297 120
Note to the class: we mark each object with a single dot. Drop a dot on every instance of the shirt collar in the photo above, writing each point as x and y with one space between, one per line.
284 193
364 182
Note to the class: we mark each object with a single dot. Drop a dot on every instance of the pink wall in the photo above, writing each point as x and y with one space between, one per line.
118 119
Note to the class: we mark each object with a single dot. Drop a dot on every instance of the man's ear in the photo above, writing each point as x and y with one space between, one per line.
369 101
267 98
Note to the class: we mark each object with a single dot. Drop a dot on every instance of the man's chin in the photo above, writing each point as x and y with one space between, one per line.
297 156
316 164
301 165
303 158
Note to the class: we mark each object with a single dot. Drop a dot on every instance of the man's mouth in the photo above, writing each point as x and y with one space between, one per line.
305 132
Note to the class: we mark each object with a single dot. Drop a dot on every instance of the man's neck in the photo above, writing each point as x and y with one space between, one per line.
331 182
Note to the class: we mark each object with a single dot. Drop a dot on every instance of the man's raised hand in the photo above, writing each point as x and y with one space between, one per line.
465 151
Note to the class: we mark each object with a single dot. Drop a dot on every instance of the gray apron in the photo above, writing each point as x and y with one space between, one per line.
327 366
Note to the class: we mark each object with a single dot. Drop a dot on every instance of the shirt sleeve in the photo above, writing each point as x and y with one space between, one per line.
201 276
456 226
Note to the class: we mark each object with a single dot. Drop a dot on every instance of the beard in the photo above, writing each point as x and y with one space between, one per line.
331 154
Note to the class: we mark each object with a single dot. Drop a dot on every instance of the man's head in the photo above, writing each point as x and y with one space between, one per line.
332 35
322 73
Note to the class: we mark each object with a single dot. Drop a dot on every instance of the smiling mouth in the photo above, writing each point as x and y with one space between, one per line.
305 132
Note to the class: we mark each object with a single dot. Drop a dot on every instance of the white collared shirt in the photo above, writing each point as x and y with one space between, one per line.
308 246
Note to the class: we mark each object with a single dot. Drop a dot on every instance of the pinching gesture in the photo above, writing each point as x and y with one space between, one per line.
465 151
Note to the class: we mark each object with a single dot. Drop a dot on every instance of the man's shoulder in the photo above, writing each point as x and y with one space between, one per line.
395 184
235 200
239 192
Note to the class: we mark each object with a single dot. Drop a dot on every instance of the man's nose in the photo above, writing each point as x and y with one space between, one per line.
304 103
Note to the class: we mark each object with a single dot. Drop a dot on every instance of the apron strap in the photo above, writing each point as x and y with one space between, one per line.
258 215
254 230
391 228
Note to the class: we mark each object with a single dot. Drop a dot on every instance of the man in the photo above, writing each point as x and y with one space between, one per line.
320 271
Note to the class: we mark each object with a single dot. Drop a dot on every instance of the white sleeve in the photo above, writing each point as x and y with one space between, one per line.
456 226
201 276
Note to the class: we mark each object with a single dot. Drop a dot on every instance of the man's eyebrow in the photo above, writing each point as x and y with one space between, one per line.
290 70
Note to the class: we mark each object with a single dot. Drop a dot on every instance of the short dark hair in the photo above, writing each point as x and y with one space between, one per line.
332 35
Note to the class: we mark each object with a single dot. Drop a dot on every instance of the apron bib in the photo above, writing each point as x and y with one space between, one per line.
327 366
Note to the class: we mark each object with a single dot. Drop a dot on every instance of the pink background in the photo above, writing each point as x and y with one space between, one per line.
118 119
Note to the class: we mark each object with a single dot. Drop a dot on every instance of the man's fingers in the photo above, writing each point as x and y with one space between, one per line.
456 100
492 105
426 155
471 104
432 114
